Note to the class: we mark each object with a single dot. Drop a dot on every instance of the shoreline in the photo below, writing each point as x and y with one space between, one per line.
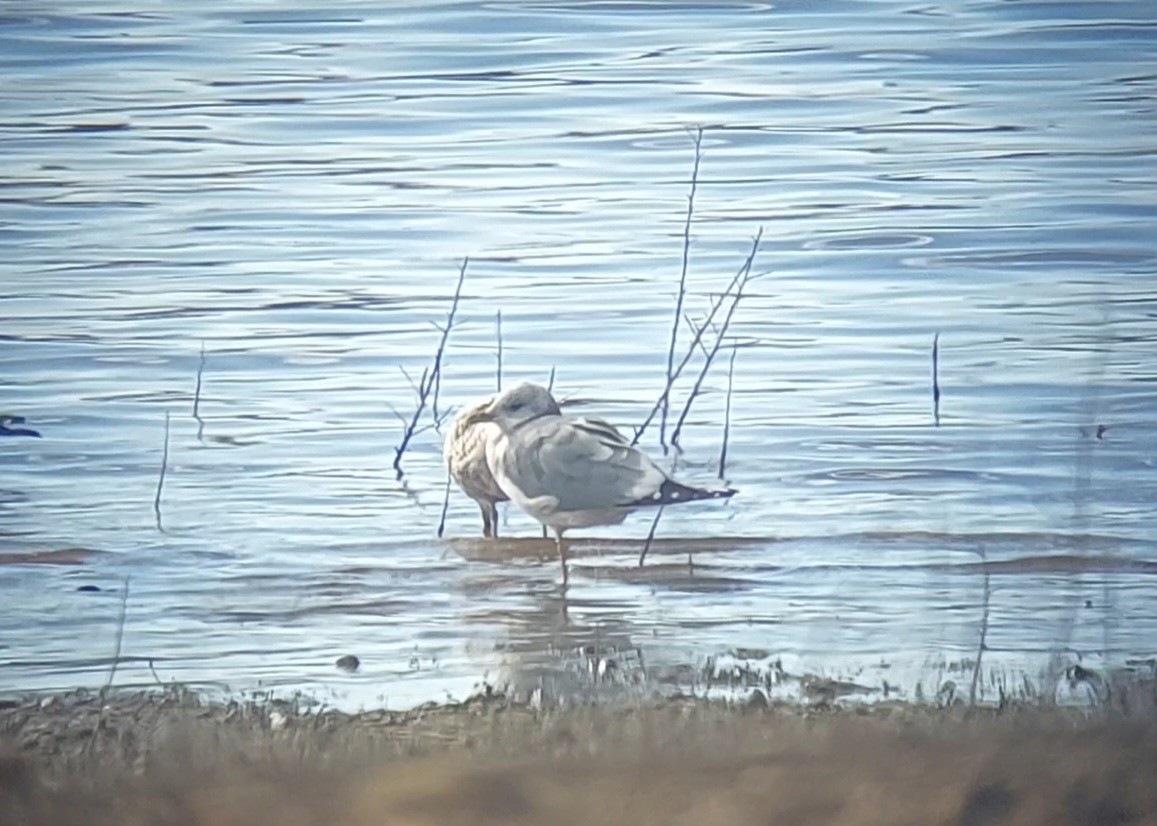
84 758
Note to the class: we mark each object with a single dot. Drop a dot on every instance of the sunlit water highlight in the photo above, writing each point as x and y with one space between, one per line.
296 185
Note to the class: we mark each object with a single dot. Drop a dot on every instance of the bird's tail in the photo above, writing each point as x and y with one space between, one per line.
672 492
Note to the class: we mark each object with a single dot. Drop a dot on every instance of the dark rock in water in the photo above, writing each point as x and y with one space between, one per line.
89 589
757 702
348 663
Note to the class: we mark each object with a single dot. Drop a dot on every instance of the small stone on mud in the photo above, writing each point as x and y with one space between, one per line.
348 663
756 702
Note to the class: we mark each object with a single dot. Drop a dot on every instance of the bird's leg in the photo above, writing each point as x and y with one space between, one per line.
560 543
487 523
494 520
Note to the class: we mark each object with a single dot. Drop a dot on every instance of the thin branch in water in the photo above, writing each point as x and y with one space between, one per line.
550 383
197 393
694 329
742 275
116 653
498 335
161 475
682 286
936 379
409 380
727 414
437 374
156 676
650 536
980 647
719 336
446 414
430 384
445 507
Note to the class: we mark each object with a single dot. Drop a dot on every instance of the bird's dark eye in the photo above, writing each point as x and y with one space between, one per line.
516 406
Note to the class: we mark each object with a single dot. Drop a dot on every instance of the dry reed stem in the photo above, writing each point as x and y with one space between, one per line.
161 475
650 536
682 285
742 273
936 379
719 338
727 414
430 385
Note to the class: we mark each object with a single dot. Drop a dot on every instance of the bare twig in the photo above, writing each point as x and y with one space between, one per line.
719 337
936 379
445 507
682 285
428 388
741 275
498 357
161 475
410 381
441 420
694 329
120 637
727 414
981 645
650 536
550 384
156 676
197 393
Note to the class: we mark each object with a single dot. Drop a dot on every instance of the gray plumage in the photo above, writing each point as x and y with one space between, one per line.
572 474
465 452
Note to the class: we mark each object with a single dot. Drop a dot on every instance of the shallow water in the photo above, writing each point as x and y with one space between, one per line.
296 186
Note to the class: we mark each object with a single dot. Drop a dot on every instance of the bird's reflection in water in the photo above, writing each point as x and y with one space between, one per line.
575 640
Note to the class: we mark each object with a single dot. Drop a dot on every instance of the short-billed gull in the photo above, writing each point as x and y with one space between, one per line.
464 450
572 474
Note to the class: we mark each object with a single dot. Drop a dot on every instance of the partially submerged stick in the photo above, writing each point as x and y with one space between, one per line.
936 379
710 359
445 507
120 637
727 414
161 475
197 393
982 643
428 388
682 285
650 536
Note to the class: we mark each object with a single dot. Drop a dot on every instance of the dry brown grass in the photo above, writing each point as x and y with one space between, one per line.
148 759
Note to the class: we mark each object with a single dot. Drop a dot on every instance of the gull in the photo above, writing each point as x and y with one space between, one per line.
464 450
465 454
567 473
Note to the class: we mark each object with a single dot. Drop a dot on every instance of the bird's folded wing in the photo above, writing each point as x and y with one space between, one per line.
585 467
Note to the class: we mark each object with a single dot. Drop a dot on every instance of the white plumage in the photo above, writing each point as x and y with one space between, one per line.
568 473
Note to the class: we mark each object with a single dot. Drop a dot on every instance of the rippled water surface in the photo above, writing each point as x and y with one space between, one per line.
296 186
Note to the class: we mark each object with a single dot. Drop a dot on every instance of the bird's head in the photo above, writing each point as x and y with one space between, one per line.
519 404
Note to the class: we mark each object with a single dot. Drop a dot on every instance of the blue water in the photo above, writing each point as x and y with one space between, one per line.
296 187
